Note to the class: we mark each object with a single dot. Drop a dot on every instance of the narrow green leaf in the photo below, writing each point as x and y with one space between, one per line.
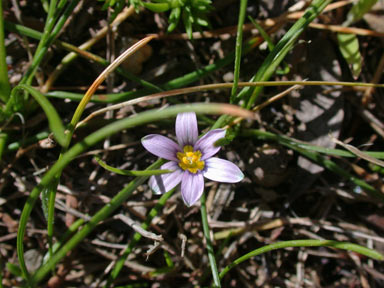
202 21
157 7
5 87
317 158
358 10
54 120
263 34
45 4
305 243
208 242
130 172
349 48
281 49
238 48
174 19
51 31
14 269
187 23
3 141
16 145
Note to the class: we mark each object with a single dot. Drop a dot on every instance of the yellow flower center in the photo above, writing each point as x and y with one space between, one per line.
190 160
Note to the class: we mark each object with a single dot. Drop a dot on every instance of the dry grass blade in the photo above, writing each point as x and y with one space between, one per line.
207 87
135 226
357 152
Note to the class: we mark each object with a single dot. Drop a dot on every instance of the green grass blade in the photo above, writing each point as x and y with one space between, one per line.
305 243
349 48
5 87
53 117
50 194
31 140
324 150
3 142
23 30
16 102
13 269
201 73
119 97
51 30
263 34
130 172
358 10
281 49
42 46
238 48
317 158
208 242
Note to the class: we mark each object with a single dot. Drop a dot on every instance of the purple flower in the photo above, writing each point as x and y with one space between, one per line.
191 159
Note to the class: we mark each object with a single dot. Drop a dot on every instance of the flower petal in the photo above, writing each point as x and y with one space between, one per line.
186 129
192 187
161 184
221 170
206 143
161 146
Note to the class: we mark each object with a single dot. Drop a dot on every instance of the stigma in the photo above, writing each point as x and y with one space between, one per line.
190 160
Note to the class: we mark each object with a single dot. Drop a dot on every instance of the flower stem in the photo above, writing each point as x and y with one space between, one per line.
211 253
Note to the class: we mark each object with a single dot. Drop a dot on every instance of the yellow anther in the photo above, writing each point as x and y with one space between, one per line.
190 160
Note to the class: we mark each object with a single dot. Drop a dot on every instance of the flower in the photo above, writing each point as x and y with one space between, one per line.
191 159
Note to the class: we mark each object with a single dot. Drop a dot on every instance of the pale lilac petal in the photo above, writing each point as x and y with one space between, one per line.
221 170
206 143
161 184
192 187
161 146
186 128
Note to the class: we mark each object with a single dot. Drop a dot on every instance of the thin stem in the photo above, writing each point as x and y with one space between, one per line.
3 141
5 87
51 191
40 52
239 43
207 235
130 172
207 87
304 243
31 140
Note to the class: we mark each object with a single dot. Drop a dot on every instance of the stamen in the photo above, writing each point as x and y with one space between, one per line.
190 160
